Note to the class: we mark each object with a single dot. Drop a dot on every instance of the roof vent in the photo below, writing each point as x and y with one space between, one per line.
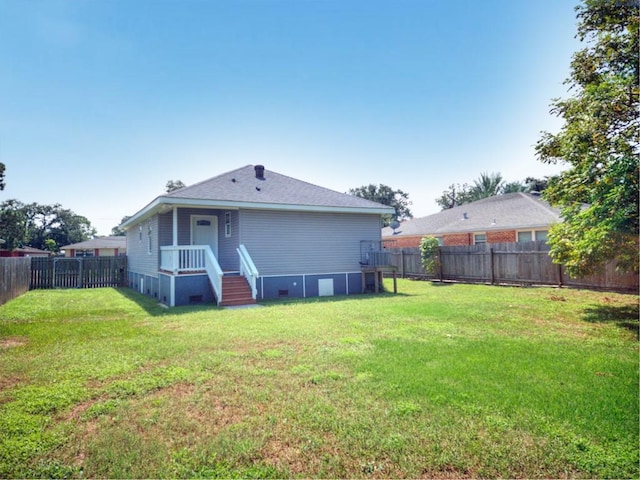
465 216
259 172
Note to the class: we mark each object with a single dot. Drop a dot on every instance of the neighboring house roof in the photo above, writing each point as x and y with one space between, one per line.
29 252
257 188
119 242
510 211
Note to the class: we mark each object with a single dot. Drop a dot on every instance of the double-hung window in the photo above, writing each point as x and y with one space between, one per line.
227 224
479 238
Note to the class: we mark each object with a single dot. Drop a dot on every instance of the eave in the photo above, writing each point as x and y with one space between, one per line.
164 204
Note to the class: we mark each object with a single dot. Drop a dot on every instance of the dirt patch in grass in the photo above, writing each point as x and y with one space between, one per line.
78 410
12 342
299 456
6 383
80 455
205 411
557 298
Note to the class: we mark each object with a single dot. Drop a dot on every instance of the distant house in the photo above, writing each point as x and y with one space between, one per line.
111 246
24 252
513 217
249 234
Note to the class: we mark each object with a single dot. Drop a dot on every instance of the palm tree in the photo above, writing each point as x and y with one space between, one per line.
513 187
488 185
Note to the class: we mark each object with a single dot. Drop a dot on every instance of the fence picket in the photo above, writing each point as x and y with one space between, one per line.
14 277
507 263
87 272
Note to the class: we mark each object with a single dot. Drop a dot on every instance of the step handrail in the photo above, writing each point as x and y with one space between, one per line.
214 272
248 270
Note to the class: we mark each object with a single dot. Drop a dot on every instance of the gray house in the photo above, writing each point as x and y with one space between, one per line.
250 234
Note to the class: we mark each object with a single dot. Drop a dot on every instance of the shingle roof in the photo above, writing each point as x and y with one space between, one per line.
99 242
241 185
502 212
241 188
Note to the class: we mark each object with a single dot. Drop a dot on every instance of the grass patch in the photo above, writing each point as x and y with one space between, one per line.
462 381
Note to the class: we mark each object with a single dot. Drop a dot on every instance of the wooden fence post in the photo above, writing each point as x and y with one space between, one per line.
491 269
559 275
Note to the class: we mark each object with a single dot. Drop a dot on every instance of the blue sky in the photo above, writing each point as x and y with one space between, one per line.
103 101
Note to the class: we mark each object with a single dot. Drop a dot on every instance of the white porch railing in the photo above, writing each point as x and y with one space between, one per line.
192 258
214 272
248 270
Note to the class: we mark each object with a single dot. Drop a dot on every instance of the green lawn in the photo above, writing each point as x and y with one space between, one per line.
439 381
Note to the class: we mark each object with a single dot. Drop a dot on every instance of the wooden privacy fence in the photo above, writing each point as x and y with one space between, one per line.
15 274
86 272
525 263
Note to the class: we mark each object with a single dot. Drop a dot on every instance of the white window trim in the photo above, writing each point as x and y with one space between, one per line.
227 224
533 232
149 240
475 242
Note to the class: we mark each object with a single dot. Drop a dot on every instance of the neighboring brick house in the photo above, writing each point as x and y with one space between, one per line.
111 246
513 217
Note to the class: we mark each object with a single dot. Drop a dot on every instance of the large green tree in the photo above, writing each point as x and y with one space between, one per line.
117 231
386 195
2 170
37 225
455 195
13 224
598 143
486 185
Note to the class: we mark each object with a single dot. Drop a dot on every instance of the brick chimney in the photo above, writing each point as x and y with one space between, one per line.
259 172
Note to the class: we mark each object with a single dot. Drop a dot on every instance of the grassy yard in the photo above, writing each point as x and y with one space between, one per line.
438 381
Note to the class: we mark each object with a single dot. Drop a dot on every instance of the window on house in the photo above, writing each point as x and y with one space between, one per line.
541 235
149 237
479 238
140 232
84 253
525 236
227 224
532 235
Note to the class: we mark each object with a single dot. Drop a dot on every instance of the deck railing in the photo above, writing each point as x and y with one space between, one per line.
375 253
183 258
192 258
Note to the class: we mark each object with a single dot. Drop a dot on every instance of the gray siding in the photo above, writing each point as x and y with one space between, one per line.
138 258
193 289
227 255
166 229
285 243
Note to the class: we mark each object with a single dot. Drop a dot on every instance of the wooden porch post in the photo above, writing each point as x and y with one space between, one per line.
175 226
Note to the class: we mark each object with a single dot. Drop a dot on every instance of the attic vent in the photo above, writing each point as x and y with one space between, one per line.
259 172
